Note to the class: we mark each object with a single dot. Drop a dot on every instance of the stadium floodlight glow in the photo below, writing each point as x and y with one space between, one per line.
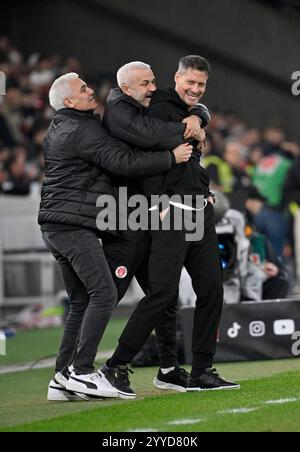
296 84
2 84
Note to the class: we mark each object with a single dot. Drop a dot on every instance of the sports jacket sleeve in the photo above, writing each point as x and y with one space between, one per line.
96 146
128 123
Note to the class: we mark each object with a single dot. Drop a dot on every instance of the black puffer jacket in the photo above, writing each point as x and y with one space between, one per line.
79 158
187 178
125 119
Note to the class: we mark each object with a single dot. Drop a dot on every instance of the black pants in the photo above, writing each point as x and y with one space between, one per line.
132 250
92 295
169 253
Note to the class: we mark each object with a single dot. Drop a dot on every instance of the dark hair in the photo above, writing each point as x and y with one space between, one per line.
194 62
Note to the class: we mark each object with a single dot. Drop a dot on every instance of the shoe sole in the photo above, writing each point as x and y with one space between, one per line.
126 396
222 388
82 389
168 386
62 396
89 398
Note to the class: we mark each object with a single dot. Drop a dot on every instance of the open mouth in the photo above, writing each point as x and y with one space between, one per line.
193 96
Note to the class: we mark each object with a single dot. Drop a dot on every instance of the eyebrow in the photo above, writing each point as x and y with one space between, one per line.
82 87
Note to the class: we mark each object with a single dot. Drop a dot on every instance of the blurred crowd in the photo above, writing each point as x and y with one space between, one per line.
259 170
25 113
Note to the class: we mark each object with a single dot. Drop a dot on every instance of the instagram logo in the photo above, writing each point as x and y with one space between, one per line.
257 329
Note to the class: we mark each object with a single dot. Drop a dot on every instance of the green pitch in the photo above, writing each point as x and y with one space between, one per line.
265 403
269 399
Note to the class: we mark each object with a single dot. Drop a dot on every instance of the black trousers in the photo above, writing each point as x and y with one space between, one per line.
169 253
92 295
132 250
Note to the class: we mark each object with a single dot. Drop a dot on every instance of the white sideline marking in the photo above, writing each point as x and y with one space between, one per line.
243 410
280 401
185 421
42 364
138 430
238 411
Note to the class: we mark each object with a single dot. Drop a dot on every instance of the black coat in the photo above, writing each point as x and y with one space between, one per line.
80 157
126 120
187 178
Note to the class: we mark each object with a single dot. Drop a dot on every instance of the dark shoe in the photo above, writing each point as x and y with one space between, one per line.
210 381
175 380
118 377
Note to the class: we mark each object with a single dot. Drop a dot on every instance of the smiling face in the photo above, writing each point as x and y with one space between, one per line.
82 97
140 85
190 85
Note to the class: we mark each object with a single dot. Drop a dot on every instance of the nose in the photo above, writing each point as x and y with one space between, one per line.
90 91
152 87
196 90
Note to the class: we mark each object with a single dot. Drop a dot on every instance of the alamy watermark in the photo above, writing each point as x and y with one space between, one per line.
296 344
2 84
140 213
296 83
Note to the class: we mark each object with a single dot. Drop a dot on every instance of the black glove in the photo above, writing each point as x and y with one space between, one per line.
203 113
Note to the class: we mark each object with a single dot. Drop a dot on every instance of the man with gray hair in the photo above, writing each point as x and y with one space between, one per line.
170 251
80 158
126 118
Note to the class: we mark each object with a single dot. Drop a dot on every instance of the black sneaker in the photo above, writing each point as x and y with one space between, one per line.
118 377
175 380
210 381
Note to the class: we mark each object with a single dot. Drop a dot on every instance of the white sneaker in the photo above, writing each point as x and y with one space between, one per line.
61 379
91 384
57 393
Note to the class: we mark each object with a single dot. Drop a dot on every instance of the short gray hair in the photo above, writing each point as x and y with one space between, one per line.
124 73
60 90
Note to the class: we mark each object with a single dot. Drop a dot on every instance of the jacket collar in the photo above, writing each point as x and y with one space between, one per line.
116 95
75 113
169 95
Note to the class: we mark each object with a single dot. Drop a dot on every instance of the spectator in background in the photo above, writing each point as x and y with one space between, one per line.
15 180
11 121
292 198
269 177
228 173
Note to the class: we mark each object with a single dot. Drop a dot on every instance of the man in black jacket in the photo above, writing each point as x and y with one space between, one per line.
125 118
170 250
79 159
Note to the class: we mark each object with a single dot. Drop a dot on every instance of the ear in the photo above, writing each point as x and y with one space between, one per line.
68 103
176 77
126 90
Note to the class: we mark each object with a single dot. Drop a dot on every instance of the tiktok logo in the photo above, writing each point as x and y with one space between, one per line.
233 332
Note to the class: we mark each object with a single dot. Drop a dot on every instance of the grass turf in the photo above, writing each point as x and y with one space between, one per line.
23 405
29 346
